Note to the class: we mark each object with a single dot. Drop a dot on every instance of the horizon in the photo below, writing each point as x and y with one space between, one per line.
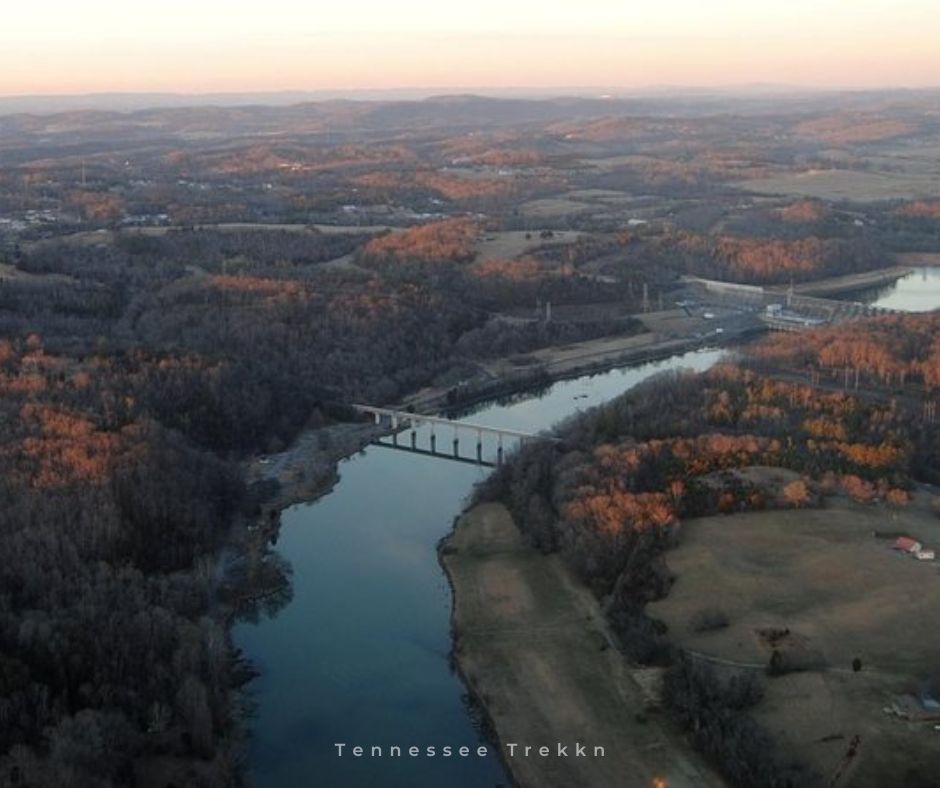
142 101
59 49
512 91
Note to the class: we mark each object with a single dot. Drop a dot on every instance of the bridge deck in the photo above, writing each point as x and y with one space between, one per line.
416 419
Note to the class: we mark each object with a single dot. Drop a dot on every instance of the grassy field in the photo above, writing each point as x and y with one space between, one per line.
847 185
554 207
596 202
532 645
841 593
611 163
601 195
508 244
13 273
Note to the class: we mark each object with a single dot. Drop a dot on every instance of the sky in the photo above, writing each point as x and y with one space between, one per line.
196 46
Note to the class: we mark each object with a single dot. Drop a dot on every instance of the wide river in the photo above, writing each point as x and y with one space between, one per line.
917 292
361 654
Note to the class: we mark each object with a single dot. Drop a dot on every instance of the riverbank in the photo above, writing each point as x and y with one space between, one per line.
533 647
307 469
512 374
366 553
306 472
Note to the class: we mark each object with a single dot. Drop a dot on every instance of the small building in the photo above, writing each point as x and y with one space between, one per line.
907 545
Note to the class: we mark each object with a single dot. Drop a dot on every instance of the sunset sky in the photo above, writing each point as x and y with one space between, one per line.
202 45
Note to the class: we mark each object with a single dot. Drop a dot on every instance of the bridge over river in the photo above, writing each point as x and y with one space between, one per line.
401 420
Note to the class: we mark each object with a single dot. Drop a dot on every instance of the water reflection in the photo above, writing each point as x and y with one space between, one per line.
917 292
361 653
263 578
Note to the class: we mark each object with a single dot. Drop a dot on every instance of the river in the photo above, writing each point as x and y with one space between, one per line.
361 653
919 291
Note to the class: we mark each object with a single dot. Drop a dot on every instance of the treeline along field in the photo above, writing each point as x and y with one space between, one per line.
611 494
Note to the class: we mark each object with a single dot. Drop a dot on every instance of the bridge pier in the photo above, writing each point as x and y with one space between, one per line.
404 420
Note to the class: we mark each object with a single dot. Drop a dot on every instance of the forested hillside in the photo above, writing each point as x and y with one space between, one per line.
611 495
889 351
134 376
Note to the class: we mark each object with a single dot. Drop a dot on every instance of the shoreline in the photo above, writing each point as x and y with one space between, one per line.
532 647
476 707
308 469
562 362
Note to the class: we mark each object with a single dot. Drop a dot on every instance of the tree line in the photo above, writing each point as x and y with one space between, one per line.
611 494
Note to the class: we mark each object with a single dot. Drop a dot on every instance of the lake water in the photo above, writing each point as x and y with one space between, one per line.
361 653
916 292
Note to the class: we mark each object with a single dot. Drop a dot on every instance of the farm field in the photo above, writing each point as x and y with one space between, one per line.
838 593
507 244
847 185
